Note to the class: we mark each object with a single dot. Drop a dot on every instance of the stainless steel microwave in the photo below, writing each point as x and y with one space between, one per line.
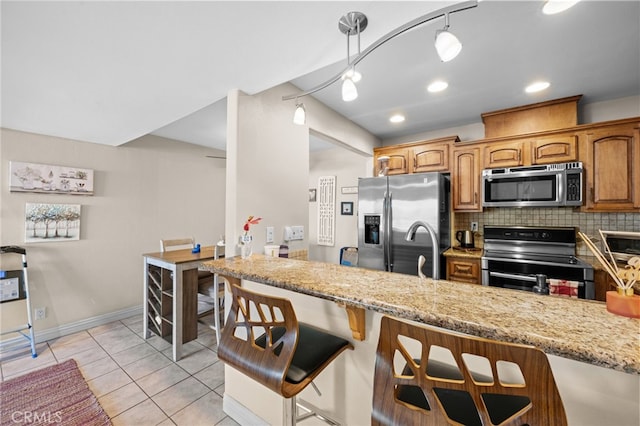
549 185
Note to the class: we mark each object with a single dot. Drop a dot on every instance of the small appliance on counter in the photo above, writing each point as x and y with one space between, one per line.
622 245
465 238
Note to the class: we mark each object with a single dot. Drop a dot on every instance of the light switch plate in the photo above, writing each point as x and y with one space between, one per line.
269 238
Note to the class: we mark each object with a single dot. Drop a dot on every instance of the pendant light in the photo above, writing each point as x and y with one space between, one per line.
349 89
300 115
447 45
352 22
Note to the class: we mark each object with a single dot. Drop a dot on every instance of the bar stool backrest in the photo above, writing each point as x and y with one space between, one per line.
252 316
421 390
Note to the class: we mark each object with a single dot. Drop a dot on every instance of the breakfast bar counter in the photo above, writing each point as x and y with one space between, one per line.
575 329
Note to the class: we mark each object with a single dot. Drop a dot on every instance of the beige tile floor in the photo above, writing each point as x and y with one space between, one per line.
135 380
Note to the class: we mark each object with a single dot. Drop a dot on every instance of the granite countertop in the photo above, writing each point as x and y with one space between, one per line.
576 329
472 253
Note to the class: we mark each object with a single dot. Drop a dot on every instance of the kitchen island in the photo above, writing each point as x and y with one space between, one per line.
576 330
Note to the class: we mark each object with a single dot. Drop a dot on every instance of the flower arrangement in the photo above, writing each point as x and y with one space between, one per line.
251 221
245 238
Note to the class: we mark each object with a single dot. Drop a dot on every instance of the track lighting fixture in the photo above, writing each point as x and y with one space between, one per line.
300 116
447 45
353 23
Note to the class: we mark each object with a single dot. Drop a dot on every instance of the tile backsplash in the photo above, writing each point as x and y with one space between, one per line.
589 223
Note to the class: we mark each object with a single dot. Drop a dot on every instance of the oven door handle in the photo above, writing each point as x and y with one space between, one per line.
513 276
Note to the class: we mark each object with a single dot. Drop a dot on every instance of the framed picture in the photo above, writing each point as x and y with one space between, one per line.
312 195
347 208
51 223
50 179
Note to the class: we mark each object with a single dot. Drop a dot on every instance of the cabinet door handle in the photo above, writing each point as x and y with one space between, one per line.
593 196
475 197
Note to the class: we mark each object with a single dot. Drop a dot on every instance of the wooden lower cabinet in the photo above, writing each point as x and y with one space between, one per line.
464 269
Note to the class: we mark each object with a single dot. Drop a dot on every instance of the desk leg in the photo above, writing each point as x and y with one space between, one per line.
177 313
145 301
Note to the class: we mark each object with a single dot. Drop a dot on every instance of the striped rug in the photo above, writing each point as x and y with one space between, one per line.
53 395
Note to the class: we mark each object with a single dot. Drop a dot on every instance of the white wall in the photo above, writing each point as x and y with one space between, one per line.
267 168
268 176
148 189
347 166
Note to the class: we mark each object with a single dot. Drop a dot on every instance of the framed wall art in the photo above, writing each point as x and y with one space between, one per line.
51 222
347 208
45 178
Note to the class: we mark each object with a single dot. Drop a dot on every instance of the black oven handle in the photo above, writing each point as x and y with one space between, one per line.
513 276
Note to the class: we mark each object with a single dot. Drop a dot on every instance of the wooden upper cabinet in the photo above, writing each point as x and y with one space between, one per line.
554 149
431 158
611 157
416 157
398 161
465 180
508 154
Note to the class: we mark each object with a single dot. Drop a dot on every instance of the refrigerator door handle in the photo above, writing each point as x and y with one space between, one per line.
384 233
388 225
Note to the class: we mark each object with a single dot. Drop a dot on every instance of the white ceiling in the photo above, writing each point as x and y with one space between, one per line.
109 72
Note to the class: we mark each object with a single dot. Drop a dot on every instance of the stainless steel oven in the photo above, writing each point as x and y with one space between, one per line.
534 259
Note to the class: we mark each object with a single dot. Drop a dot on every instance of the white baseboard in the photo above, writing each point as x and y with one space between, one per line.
240 413
63 330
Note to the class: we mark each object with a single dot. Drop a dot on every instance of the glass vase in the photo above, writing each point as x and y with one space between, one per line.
245 246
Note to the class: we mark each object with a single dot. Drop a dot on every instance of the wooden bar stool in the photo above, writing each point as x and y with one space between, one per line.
484 382
263 339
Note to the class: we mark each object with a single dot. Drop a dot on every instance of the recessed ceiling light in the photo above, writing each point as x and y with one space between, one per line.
552 7
397 118
437 86
537 86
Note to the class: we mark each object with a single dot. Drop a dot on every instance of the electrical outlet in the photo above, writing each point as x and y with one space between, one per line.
474 226
40 313
298 232
269 238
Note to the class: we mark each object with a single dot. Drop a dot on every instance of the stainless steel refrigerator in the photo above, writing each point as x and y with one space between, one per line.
388 206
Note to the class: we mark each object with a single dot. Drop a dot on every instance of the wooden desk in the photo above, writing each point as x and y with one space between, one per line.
171 295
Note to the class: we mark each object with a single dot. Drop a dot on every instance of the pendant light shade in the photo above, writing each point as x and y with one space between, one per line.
447 45
300 116
349 90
